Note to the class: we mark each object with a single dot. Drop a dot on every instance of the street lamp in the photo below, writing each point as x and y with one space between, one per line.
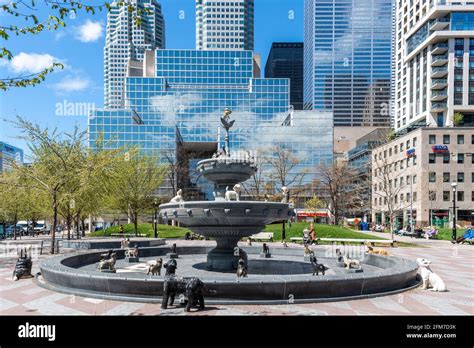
454 186
155 220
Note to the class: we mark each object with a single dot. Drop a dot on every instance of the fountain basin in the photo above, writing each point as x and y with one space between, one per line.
227 222
226 171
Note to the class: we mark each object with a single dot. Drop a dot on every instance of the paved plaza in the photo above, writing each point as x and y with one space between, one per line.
452 262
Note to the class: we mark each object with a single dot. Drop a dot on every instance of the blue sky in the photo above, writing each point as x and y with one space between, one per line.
80 47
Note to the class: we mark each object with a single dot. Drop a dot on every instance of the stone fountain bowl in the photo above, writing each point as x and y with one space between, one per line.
226 218
226 170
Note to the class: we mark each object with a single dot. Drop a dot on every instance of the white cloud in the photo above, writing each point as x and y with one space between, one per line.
72 84
31 62
89 31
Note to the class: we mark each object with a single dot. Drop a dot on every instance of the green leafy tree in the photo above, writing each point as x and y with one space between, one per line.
458 119
134 185
314 203
12 198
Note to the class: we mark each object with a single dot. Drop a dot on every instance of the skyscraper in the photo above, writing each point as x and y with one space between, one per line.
9 153
225 25
285 60
173 112
347 51
434 63
126 40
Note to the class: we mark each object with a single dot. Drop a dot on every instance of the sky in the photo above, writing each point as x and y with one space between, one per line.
59 101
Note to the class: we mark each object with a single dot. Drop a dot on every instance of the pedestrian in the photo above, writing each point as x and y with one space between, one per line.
312 233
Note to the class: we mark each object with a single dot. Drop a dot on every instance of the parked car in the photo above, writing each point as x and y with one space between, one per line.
22 228
41 228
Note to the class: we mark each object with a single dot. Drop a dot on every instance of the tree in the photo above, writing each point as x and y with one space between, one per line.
58 12
56 160
255 186
458 119
387 185
333 186
13 197
314 203
134 184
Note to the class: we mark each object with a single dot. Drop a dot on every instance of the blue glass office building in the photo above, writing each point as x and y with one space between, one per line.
181 105
347 60
9 153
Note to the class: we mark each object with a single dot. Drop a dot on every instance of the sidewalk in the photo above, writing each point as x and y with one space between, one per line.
406 239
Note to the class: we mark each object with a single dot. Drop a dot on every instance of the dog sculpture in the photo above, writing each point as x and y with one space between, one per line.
317 267
370 249
232 195
125 243
178 198
249 242
266 249
170 267
307 250
132 252
108 263
156 267
241 268
431 281
106 256
285 245
23 266
286 195
351 263
193 288
339 256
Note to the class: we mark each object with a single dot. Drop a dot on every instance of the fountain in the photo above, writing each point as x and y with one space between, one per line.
226 219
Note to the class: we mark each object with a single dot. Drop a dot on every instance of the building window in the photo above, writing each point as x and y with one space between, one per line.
432 195
446 196
432 158
472 140
472 177
414 179
432 139
461 196
432 177
445 158
446 139
414 142
414 196
472 196
445 177
401 147
414 160
460 139
460 177
460 158
401 197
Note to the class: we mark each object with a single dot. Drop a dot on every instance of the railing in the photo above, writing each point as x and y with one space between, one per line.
439 94
439 106
438 81
440 69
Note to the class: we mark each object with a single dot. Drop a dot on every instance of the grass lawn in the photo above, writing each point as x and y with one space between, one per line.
322 231
447 233
164 231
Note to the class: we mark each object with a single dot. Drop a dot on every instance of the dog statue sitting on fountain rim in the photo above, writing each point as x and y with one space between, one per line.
178 198
317 267
349 263
265 251
241 268
232 195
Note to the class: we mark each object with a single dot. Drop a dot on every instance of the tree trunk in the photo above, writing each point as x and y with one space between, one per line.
55 221
78 224
68 226
135 223
83 223
14 227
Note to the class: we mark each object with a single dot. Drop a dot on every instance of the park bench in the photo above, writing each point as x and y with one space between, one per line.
20 244
127 235
262 236
353 240
296 239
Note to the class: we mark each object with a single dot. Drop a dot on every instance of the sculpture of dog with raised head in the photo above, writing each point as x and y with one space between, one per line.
156 267
132 252
23 265
351 263
108 263
178 198
233 195
241 268
431 281
317 267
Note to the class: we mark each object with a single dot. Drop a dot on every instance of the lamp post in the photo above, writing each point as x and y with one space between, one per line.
454 186
155 221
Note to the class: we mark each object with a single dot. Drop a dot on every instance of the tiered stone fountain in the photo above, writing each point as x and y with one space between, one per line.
226 220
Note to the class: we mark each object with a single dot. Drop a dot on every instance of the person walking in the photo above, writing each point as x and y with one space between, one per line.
312 233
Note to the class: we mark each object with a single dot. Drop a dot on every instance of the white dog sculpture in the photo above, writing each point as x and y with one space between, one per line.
178 198
232 195
429 277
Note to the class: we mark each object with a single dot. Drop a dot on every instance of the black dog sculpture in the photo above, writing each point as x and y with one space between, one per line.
106 256
192 288
241 268
170 267
266 249
339 256
317 267
23 266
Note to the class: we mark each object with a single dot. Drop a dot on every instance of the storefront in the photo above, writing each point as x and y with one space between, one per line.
320 216
439 217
